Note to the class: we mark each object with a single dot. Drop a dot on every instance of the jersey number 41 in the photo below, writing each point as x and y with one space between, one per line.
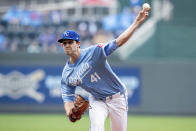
95 77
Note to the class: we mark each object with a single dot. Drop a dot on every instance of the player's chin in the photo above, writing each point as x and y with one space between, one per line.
69 52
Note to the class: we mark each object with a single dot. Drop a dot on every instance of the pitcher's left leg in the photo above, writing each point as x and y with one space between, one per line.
118 113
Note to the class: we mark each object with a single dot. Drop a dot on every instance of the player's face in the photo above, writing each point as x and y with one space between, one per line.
70 46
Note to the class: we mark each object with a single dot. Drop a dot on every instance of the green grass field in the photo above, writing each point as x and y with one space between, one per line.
57 122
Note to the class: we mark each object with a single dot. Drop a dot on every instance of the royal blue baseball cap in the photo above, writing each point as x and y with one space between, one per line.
70 35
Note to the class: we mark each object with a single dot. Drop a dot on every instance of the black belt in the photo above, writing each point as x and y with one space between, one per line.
116 95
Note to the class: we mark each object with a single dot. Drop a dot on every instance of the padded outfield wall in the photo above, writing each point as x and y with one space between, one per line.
30 83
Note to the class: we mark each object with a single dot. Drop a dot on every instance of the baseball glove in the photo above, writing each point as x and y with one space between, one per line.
80 106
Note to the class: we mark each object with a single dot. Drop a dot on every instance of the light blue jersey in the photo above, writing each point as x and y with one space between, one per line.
91 72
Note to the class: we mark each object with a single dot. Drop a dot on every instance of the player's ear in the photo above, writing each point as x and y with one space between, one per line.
61 44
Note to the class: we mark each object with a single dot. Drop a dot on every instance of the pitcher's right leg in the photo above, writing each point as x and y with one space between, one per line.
97 112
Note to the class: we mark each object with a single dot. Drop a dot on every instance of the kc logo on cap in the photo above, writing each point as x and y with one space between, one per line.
66 33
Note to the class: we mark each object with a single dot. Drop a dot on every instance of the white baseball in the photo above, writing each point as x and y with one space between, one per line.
146 7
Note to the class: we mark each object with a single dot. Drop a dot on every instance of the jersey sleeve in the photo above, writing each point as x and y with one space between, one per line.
109 47
68 92
101 51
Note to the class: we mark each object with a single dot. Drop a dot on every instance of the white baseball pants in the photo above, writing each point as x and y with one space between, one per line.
116 109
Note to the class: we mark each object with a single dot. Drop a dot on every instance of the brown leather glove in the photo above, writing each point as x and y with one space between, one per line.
80 106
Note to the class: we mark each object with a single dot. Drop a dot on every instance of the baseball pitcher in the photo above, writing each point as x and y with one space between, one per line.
89 69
